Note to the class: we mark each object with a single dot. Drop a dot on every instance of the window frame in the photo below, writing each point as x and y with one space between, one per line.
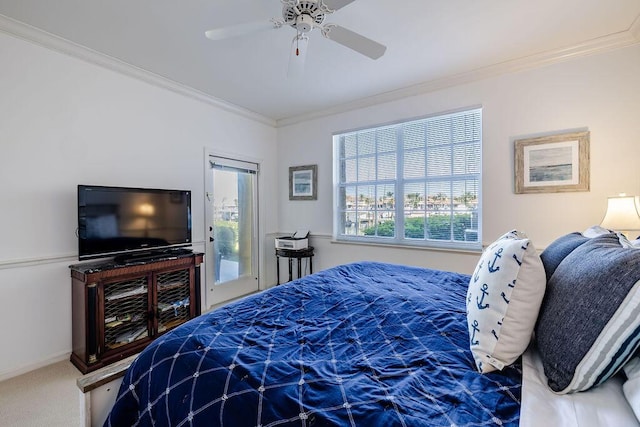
399 183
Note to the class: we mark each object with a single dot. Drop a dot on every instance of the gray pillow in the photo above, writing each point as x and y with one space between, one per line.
589 322
558 250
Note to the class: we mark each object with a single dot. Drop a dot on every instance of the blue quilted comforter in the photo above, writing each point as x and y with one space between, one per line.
365 344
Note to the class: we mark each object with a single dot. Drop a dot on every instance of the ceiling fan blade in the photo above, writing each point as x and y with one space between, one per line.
355 41
298 56
337 4
239 30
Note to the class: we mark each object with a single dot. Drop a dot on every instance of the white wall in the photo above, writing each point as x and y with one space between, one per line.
64 122
600 93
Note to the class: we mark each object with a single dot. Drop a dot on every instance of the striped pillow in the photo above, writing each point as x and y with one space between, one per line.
589 322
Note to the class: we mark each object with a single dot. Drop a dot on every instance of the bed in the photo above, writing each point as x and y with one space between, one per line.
366 344
527 340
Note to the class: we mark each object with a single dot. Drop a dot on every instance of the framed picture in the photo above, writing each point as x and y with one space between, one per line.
303 181
552 164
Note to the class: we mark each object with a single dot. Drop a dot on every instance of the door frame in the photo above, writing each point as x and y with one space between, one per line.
208 213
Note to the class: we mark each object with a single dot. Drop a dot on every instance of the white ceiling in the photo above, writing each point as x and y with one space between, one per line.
428 41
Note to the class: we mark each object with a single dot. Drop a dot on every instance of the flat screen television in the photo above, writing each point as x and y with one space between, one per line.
129 222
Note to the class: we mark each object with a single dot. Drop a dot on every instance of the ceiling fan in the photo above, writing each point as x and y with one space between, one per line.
304 16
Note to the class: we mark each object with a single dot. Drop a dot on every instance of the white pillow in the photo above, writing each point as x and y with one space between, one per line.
595 231
631 386
503 301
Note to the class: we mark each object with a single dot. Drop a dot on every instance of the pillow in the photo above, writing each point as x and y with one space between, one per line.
631 387
503 300
553 255
589 323
595 231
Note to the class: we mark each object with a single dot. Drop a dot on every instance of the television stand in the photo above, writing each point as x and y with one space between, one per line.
118 309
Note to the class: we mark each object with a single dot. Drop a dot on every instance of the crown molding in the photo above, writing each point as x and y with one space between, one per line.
595 46
37 36
603 44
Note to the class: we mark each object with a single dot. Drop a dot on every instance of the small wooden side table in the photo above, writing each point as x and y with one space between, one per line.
298 254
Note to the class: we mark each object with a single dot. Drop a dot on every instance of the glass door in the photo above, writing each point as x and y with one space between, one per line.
232 226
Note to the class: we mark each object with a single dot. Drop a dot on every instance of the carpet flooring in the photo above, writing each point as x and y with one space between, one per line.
46 397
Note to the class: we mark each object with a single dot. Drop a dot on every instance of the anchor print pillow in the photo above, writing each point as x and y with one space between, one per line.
503 300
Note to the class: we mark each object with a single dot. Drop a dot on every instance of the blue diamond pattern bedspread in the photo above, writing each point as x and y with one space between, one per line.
364 344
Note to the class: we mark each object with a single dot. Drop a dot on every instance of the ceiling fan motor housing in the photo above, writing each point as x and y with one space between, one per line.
304 15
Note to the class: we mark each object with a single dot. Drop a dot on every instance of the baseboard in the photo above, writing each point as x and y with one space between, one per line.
33 366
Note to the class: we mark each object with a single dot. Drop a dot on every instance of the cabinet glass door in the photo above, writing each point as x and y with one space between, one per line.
173 298
125 312
232 216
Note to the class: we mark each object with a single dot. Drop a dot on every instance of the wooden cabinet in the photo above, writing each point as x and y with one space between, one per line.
118 309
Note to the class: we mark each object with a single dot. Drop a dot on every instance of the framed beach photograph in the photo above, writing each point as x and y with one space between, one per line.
552 164
303 181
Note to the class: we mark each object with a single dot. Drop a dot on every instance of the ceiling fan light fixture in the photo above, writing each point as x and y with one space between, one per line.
304 23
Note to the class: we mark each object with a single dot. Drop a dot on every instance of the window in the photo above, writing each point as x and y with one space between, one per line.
414 183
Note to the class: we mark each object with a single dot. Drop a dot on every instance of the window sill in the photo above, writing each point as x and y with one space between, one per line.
468 251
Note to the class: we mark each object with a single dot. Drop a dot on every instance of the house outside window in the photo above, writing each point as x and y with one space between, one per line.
415 183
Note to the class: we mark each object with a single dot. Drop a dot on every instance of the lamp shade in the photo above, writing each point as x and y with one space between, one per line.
622 214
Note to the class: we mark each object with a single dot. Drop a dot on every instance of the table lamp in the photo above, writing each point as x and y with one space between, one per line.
622 215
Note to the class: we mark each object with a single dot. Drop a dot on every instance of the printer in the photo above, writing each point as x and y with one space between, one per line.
298 240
